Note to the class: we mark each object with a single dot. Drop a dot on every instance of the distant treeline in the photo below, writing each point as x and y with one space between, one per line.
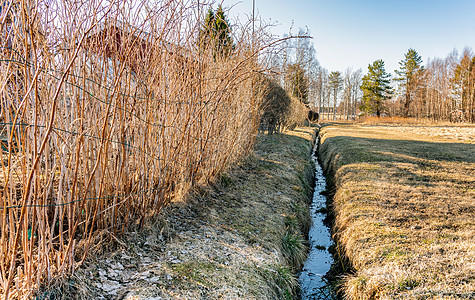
441 90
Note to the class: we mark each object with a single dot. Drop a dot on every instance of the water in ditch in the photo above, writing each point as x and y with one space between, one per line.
314 285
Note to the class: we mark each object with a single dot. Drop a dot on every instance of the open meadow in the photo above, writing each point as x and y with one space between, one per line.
403 206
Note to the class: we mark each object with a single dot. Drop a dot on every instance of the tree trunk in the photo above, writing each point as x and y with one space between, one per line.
407 102
334 104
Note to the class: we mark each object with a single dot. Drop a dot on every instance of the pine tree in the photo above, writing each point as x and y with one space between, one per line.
376 88
216 34
409 71
335 82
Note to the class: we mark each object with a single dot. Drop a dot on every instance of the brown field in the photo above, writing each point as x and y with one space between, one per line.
404 208
373 120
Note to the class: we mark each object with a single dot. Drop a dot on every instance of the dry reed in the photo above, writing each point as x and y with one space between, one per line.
109 110
373 120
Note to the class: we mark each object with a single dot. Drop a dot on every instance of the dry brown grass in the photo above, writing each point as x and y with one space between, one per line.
373 120
404 209
392 120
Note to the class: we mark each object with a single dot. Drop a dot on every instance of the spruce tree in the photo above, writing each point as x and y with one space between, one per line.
409 71
216 34
376 88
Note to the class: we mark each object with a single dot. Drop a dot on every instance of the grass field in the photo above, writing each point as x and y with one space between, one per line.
404 208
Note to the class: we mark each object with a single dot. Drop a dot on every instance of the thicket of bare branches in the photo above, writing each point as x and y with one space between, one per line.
285 90
444 90
280 111
108 111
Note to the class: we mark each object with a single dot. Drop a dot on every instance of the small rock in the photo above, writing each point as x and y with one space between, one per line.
113 273
111 286
146 260
144 275
126 257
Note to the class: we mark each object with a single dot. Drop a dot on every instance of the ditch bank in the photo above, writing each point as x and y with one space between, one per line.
239 238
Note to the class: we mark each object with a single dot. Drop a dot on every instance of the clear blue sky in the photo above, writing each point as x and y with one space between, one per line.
354 33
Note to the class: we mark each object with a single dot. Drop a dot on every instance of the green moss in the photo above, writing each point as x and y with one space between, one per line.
407 284
226 180
196 271
395 254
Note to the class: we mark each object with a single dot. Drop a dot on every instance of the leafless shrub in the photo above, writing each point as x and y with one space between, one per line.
109 110
279 110
275 106
297 114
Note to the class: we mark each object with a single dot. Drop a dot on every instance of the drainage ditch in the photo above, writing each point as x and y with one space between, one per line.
315 281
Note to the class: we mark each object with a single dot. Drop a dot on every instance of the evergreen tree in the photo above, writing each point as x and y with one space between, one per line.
298 82
376 88
409 71
216 34
335 82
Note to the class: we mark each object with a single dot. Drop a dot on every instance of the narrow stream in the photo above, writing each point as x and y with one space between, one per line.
312 281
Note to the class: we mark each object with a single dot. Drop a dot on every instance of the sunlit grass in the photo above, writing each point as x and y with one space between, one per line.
404 207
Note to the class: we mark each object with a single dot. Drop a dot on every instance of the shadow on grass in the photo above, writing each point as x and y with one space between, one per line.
357 149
